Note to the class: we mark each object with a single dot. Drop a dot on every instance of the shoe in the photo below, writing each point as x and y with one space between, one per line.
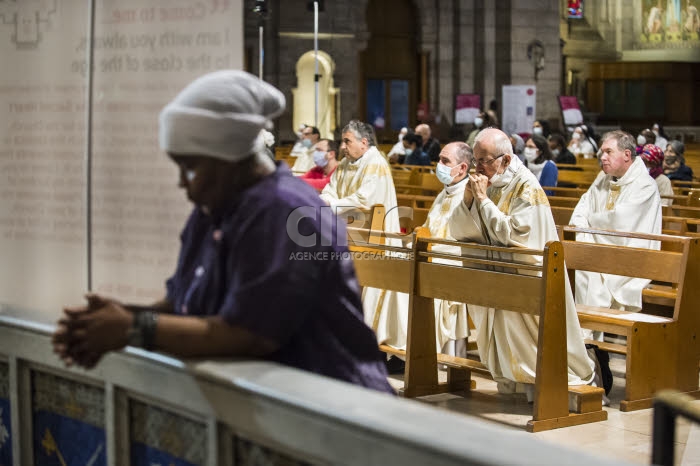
395 365
602 362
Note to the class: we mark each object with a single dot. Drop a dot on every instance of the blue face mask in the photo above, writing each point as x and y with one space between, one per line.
320 159
443 173
306 143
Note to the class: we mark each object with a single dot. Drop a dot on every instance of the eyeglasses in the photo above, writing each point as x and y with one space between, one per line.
488 162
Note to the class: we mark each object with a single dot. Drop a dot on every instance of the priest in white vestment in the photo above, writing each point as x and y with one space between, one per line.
451 323
310 136
504 205
363 179
623 197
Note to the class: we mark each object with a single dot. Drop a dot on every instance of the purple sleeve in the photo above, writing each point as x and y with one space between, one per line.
186 240
272 290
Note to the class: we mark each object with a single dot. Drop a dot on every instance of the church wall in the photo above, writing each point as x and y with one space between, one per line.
472 46
537 20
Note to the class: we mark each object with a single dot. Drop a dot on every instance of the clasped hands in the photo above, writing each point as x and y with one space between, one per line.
476 188
85 333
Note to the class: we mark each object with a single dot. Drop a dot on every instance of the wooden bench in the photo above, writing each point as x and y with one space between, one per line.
661 352
413 271
562 201
681 211
576 175
567 192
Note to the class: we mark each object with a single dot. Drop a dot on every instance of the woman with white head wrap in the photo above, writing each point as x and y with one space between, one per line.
237 258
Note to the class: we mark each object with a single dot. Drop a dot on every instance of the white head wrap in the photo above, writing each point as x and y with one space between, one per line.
220 115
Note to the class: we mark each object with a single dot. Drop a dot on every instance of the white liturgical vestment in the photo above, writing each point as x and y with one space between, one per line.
517 213
631 203
304 161
364 183
450 317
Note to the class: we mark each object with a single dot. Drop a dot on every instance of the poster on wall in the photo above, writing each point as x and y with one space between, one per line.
519 108
467 107
669 24
570 110
574 9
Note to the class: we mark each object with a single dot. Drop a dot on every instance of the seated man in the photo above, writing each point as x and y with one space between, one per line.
451 323
504 205
623 197
305 160
363 179
326 160
237 291
431 146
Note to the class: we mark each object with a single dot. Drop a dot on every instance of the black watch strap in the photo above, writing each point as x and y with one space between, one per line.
143 332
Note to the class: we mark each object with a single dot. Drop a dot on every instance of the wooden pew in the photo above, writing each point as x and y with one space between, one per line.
661 352
681 211
414 271
567 192
562 201
576 176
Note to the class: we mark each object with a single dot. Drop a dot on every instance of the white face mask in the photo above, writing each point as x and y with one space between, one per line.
478 122
641 140
320 159
537 130
495 180
555 152
530 154
190 175
407 152
576 136
306 143
443 173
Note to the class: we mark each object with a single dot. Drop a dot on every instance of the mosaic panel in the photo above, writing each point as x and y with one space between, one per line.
249 453
160 436
68 422
5 431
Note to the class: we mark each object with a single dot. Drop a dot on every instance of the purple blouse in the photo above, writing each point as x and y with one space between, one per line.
247 268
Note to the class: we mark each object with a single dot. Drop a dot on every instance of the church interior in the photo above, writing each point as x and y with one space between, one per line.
515 226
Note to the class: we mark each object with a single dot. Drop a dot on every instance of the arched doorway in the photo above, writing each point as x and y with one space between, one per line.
303 94
389 67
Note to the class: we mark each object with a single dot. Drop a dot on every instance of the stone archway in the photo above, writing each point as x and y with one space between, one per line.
304 94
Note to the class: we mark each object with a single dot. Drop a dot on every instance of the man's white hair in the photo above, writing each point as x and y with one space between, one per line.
499 139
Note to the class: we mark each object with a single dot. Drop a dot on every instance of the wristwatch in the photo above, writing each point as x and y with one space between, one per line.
142 332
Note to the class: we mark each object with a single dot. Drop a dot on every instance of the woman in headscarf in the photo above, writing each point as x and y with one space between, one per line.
653 158
580 145
241 286
674 162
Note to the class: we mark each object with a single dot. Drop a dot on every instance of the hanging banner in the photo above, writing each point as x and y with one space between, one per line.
518 108
570 110
467 107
